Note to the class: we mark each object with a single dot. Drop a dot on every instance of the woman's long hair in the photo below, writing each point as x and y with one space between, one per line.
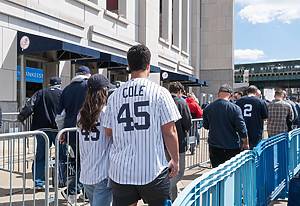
91 108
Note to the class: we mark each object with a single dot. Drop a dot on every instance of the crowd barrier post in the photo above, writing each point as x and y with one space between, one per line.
271 168
12 174
197 154
232 183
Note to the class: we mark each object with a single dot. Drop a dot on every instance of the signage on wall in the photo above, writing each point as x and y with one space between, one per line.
34 75
165 75
24 42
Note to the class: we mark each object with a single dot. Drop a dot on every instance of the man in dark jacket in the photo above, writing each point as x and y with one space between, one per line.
227 129
71 102
182 126
44 106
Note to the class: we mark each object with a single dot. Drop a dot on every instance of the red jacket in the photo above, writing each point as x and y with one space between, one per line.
195 109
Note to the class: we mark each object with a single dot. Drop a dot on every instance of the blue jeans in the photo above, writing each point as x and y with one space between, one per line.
39 164
99 194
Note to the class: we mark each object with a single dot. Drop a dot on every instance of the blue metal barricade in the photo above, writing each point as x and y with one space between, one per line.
271 168
224 185
294 152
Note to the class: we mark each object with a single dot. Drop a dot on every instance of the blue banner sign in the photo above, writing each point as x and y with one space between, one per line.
32 75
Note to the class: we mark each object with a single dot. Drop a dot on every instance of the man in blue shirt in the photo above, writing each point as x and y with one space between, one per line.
254 111
227 129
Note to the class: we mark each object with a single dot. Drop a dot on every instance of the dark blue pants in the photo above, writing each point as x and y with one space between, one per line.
38 167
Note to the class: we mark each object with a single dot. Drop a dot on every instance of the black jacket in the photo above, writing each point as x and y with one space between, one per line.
72 99
184 124
44 106
225 123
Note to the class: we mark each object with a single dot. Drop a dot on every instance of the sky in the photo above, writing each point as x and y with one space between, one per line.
266 30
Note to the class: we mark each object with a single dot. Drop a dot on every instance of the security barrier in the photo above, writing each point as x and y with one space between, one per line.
197 154
224 185
294 152
271 168
11 193
268 168
67 172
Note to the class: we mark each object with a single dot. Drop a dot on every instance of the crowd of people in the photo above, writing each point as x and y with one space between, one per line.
131 143
236 120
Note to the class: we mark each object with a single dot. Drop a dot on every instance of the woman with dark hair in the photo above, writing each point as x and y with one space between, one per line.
93 145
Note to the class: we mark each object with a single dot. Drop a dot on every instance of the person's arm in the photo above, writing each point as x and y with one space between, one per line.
295 112
264 110
241 128
205 120
170 137
27 110
290 116
107 119
169 114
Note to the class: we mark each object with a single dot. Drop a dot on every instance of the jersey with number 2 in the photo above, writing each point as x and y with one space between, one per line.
254 112
135 112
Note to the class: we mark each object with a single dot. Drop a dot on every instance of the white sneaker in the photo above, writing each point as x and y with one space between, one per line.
71 199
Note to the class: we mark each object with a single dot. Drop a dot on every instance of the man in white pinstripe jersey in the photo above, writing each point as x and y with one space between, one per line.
140 117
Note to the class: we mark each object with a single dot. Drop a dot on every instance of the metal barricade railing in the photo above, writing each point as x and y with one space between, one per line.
16 188
9 118
67 169
11 125
224 185
197 154
294 152
271 168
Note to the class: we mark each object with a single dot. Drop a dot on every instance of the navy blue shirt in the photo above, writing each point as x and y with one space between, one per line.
225 123
254 111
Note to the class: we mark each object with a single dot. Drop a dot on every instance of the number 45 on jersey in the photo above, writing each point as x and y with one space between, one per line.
128 120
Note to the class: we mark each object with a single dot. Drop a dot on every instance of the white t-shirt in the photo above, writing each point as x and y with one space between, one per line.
94 148
135 112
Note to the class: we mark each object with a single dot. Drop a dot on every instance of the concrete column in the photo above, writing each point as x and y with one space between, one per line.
216 44
165 19
64 72
149 26
170 21
22 88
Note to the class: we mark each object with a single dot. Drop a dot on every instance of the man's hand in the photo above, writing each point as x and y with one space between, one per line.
245 144
173 167
62 139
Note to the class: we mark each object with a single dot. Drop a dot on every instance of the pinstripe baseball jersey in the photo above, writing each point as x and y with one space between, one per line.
135 112
94 148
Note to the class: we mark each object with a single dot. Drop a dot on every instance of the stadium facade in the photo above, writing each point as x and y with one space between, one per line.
190 40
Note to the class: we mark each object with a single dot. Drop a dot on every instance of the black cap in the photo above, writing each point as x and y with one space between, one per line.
226 88
55 81
98 81
83 70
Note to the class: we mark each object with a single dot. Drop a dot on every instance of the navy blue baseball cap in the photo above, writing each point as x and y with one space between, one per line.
83 70
98 81
55 81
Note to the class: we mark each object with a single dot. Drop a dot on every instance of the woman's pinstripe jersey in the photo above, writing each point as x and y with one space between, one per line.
135 112
94 148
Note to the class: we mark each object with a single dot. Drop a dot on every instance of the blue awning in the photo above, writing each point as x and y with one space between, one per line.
65 50
112 61
187 80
